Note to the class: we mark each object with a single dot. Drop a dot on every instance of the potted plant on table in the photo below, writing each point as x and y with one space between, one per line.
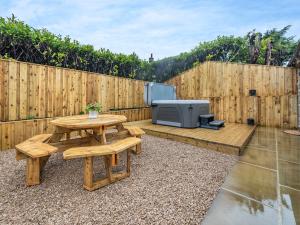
93 109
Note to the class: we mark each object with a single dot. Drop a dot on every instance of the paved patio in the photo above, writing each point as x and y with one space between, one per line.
264 186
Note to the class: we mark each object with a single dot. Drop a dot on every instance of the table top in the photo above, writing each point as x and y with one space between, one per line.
83 121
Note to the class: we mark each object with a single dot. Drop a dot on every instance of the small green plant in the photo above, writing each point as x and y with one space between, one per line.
81 113
30 117
93 107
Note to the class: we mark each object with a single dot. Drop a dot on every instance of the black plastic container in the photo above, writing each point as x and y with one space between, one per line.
250 121
252 92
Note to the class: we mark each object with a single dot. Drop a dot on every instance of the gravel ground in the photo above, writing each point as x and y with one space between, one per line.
170 183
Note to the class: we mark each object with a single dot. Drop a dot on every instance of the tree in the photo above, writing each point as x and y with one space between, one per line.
254 41
279 47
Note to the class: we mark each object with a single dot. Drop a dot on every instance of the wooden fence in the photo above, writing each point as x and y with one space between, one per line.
44 92
14 132
227 87
32 90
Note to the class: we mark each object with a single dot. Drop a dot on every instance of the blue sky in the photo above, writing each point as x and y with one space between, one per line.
164 28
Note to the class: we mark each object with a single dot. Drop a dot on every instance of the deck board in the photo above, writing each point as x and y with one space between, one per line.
231 139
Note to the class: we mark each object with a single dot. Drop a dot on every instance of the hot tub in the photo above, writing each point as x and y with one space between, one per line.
179 113
167 110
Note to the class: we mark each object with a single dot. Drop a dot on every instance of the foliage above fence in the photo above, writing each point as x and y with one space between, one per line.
24 43
270 48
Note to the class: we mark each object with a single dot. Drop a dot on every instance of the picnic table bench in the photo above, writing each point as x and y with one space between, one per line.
89 152
94 142
37 153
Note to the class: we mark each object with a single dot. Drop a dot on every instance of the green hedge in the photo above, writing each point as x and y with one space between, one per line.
22 42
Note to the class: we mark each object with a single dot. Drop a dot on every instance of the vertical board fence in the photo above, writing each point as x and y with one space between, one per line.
44 92
227 86
39 91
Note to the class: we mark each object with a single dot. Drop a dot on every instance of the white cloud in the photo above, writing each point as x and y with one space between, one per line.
163 27
27 9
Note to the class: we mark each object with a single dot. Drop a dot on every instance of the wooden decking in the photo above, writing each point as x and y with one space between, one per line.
231 139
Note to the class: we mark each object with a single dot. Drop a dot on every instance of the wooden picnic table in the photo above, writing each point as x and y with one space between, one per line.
91 140
95 128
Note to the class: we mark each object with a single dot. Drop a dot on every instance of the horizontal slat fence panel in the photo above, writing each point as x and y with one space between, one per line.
14 132
227 87
39 91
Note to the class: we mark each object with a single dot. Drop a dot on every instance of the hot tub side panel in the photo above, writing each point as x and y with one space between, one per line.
167 114
179 115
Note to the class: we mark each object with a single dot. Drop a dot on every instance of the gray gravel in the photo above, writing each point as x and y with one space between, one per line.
170 183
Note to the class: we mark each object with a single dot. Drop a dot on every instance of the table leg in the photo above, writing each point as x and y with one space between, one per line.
102 135
68 136
120 127
103 141
59 132
115 159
